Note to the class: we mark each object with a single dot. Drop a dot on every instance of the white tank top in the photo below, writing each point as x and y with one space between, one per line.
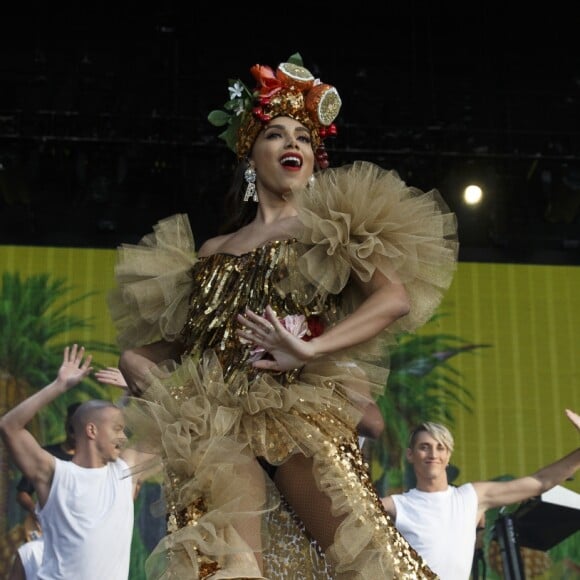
87 523
441 526
31 557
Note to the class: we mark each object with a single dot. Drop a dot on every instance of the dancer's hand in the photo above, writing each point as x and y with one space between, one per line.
75 366
288 350
111 376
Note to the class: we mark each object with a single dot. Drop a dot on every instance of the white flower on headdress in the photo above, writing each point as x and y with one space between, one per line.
235 90
240 107
237 102
294 323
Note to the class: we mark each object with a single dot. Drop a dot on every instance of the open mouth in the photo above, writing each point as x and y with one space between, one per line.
291 161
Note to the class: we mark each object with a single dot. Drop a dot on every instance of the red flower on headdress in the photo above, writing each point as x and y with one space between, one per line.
268 84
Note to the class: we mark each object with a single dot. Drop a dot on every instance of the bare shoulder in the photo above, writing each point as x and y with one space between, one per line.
213 245
482 487
251 236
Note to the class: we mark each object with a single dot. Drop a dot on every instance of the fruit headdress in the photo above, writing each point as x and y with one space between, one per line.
290 91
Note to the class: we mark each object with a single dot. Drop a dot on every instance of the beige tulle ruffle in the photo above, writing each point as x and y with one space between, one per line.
209 432
362 218
153 284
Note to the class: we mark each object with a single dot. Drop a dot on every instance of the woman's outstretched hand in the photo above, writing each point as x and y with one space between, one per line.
266 332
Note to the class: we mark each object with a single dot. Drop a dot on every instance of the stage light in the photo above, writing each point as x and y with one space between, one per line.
472 194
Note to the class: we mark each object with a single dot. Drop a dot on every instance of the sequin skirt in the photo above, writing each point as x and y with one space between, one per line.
223 509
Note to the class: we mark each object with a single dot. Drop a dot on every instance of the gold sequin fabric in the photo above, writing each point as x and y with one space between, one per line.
224 285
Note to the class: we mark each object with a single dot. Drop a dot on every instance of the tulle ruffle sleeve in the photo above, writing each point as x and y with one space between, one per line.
153 279
361 218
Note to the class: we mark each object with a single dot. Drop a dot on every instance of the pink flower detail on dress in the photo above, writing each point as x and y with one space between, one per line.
295 324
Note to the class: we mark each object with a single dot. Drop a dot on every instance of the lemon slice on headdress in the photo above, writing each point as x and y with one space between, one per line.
296 75
324 102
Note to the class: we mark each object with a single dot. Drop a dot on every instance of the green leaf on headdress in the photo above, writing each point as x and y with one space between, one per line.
232 105
218 118
239 103
230 137
296 58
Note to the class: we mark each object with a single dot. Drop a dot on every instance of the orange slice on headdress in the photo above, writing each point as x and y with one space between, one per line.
323 101
290 74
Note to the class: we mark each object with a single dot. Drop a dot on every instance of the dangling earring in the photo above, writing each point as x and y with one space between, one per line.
250 179
311 181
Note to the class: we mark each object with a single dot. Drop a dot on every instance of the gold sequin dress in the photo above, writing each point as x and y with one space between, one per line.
212 415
